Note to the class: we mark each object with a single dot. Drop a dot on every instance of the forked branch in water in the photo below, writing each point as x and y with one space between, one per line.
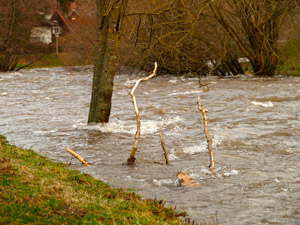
131 159
209 141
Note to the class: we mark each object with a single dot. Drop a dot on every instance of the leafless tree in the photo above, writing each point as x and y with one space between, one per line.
17 18
254 25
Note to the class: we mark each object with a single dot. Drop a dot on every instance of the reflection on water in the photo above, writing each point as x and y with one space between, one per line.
254 124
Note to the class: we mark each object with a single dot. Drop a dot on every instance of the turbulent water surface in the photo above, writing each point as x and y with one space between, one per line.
254 124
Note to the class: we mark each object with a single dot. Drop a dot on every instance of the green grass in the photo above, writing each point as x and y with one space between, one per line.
35 190
48 60
289 60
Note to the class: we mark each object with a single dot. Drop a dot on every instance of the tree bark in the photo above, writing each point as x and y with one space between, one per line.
109 20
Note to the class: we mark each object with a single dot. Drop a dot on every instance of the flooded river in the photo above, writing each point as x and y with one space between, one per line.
254 124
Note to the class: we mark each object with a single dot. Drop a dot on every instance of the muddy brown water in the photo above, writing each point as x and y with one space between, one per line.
254 124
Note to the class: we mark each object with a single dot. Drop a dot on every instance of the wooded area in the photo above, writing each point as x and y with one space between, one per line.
201 37
182 36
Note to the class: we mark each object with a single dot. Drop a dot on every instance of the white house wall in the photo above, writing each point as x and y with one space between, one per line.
41 34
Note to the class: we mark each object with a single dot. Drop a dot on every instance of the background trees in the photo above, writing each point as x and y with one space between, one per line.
200 37
254 25
17 19
185 36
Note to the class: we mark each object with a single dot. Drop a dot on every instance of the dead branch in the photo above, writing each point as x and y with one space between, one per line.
131 159
163 146
77 156
209 141
186 180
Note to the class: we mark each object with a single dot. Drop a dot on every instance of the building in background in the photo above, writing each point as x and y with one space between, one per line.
53 17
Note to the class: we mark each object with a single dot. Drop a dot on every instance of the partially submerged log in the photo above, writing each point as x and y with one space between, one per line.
209 141
131 159
77 156
163 146
186 180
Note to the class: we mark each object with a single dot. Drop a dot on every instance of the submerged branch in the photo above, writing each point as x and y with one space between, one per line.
163 146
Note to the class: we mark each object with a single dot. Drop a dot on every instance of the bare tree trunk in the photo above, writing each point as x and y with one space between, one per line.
109 19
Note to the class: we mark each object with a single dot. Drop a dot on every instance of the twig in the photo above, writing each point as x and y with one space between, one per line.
77 156
131 159
163 146
209 141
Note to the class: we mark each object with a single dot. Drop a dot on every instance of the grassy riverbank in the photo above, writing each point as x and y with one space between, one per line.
35 190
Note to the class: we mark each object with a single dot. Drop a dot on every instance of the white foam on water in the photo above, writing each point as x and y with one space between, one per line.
196 148
130 83
122 93
263 104
42 132
4 94
186 93
171 120
16 74
164 182
206 171
172 155
36 91
150 126
111 127
172 81
231 173
119 126
202 147
276 180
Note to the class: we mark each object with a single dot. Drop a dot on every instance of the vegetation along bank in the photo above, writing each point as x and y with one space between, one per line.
35 190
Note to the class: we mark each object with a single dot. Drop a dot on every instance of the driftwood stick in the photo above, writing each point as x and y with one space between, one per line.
163 146
77 156
209 141
131 159
186 180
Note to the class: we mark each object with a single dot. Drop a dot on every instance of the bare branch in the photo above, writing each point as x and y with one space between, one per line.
77 156
131 159
163 146
209 141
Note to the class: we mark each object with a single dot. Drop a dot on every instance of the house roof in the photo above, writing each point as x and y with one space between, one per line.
58 14
55 13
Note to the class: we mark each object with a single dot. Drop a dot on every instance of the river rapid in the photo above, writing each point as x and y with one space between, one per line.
254 124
